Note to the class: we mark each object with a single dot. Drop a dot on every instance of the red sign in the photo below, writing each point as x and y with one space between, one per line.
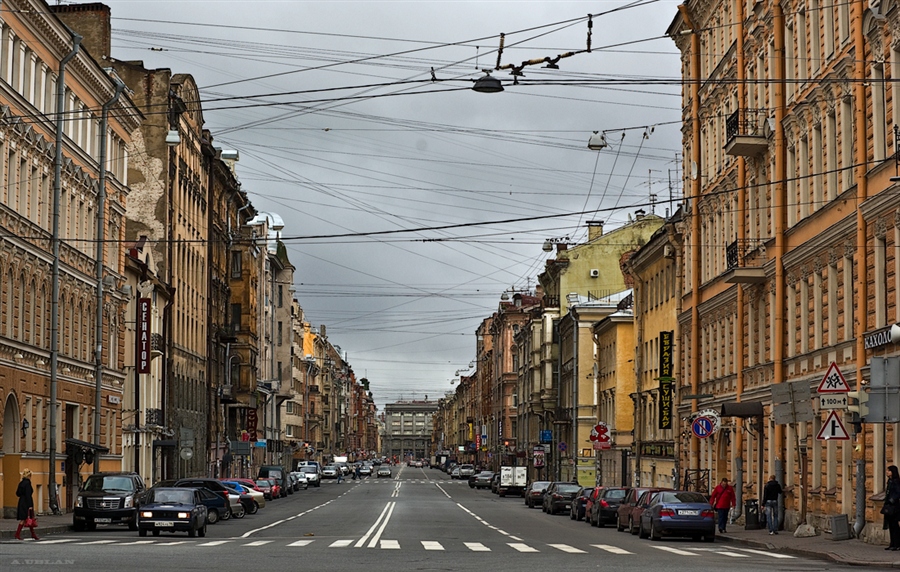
251 422
477 441
834 381
142 358
600 436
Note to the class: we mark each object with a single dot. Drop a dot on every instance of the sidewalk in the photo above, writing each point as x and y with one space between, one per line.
47 524
851 552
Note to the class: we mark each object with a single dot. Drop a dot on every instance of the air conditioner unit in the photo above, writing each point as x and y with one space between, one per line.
669 251
595 273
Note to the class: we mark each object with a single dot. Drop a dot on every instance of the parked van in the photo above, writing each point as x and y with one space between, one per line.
277 472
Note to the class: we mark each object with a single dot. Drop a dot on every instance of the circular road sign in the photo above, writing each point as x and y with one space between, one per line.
702 427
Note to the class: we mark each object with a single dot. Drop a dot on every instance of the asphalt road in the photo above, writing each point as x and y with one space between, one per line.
419 519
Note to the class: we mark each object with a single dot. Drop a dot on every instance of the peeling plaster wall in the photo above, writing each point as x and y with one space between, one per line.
147 191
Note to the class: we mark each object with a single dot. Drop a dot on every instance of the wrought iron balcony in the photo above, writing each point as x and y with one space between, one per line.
745 133
737 256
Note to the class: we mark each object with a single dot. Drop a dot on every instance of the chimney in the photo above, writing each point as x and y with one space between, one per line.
639 214
91 21
595 229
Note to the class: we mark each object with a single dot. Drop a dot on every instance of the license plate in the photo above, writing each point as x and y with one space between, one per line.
102 520
162 523
688 512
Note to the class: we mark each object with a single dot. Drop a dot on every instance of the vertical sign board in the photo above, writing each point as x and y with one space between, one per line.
665 379
143 336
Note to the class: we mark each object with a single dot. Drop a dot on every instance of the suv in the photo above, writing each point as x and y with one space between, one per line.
279 474
108 498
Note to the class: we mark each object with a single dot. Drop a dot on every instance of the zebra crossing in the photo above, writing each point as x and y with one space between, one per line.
436 546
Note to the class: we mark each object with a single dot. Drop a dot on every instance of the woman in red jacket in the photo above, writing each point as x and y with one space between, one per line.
722 500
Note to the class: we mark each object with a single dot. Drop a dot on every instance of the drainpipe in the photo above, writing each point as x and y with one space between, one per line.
54 297
101 225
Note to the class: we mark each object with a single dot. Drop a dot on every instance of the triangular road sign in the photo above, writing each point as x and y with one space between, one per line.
833 429
833 382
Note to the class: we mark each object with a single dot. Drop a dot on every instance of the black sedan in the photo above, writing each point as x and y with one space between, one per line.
534 494
605 509
173 510
579 503
678 513
482 480
559 496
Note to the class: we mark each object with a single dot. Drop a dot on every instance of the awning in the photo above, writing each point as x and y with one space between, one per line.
743 409
85 445
165 443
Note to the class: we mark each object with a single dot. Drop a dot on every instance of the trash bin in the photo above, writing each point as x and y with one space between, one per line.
840 527
751 514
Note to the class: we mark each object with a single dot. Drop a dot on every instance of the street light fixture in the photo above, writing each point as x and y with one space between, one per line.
597 141
487 84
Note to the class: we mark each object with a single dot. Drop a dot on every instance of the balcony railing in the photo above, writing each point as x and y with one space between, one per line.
745 132
737 256
550 301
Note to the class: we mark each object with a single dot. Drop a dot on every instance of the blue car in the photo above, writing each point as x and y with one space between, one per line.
169 509
678 513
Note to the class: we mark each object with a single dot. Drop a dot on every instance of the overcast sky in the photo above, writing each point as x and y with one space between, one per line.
342 133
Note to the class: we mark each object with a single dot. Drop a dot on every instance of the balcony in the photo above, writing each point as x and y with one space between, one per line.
745 133
550 301
737 254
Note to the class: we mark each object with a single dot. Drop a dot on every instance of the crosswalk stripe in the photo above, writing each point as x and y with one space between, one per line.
676 551
567 548
173 543
476 547
431 545
301 543
390 545
522 547
763 553
732 554
340 543
258 543
94 542
215 543
611 549
58 541
136 542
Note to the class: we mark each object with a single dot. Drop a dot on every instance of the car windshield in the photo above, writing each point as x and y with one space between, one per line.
681 497
568 488
263 483
98 483
615 494
330 468
174 496
538 485
308 469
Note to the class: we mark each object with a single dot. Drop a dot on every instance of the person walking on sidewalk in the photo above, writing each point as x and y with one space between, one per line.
770 501
891 509
25 508
723 500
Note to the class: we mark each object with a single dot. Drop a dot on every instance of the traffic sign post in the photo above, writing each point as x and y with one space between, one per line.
833 429
834 401
702 427
833 382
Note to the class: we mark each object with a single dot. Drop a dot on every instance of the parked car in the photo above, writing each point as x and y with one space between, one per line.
313 474
330 472
241 502
592 499
173 510
217 506
214 487
466 471
578 506
383 471
605 509
276 488
265 485
559 496
483 480
678 513
280 474
629 514
300 480
258 497
495 484
108 498
534 493
454 474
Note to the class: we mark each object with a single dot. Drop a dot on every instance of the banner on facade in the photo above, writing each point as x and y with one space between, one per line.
665 354
143 336
665 404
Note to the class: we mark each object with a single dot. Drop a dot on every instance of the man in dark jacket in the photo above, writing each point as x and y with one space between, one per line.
770 501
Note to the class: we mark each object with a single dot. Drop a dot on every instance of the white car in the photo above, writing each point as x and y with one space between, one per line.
258 497
312 474
301 480
330 472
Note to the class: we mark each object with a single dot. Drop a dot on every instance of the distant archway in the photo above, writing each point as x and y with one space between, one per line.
11 442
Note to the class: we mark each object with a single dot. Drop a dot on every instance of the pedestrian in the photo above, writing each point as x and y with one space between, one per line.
722 500
891 508
770 501
25 508
357 473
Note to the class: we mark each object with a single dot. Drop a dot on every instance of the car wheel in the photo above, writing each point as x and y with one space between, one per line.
201 532
471 486
227 514
600 523
91 526
155 533
192 533
142 532
318 484
255 508
212 516
641 532
711 537
653 534
572 515
631 527
132 524
240 513
78 526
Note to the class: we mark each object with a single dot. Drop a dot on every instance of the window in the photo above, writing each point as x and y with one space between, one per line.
279 334
236 261
236 316
280 296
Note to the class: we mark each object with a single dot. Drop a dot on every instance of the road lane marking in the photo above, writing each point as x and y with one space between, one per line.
58 541
390 545
380 531
476 547
282 521
139 542
515 538
522 547
611 549
258 543
567 548
733 554
340 543
94 542
215 543
431 545
301 543
764 553
676 551
173 543
374 526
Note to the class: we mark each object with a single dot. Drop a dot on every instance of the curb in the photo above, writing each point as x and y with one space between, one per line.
830 556
41 531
